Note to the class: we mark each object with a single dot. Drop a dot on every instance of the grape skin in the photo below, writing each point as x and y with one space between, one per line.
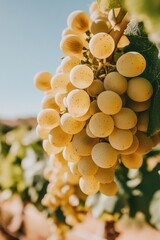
104 155
101 45
131 64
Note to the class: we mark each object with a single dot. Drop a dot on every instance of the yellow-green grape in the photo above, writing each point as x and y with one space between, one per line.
83 144
123 42
70 125
42 132
50 148
104 155
101 125
78 103
49 102
89 133
121 139
101 45
70 154
79 21
68 63
109 102
42 81
59 83
139 106
74 168
81 76
115 82
89 185
143 120
94 107
105 175
58 137
125 119
132 148
48 118
71 45
93 7
139 89
109 189
98 26
131 64
145 143
86 166
59 99
133 161
95 88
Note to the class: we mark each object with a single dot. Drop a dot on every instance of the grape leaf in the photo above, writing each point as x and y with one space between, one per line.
141 44
109 4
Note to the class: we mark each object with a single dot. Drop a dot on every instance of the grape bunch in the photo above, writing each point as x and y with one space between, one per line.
95 110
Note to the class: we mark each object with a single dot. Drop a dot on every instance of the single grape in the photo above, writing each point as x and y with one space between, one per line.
42 81
104 155
81 76
121 139
101 125
58 137
48 118
101 45
78 103
139 89
105 175
115 82
89 185
71 45
109 102
79 21
109 189
125 119
133 161
86 166
70 125
131 64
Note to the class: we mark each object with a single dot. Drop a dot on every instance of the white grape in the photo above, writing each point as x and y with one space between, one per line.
131 64
81 76
114 81
78 103
48 118
109 102
104 155
101 45
139 89
89 185
70 125
101 125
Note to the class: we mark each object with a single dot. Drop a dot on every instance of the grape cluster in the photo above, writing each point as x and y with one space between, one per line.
95 111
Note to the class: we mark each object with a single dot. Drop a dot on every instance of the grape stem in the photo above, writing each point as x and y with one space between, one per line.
121 21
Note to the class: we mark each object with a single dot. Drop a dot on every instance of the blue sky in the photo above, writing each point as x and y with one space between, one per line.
30 33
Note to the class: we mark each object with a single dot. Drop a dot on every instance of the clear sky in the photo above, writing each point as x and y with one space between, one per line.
30 33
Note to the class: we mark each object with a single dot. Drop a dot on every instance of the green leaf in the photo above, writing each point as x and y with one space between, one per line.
109 4
140 43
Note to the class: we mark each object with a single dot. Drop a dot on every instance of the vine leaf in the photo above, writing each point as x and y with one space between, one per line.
140 43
